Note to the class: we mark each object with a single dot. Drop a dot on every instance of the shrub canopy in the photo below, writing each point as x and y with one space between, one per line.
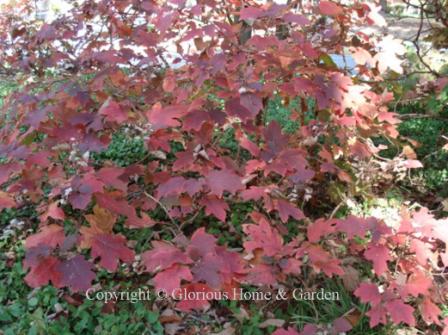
180 77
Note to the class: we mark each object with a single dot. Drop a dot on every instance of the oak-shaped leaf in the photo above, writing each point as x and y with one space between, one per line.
430 312
417 283
263 236
113 111
201 244
101 219
76 273
400 312
216 207
163 117
379 255
275 141
262 274
162 256
319 228
111 249
321 260
208 270
286 210
223 180
51 235
53 211
169 279
43 267
200 290
353 226
377 315
368 293
120 206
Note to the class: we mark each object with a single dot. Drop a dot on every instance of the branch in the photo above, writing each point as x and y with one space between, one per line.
417 46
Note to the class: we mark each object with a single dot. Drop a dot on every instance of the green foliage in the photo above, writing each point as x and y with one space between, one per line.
280 110
6 87
428 132
44 311
276 110
123 150
326 311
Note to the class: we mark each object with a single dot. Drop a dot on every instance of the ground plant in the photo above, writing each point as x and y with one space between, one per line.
199 149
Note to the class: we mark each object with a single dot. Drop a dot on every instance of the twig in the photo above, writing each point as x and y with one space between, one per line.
417 46
335 210
163 208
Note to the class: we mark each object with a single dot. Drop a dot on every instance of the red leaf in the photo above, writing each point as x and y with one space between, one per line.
53 211
6 170
252 102
113 111
254 193
430 312
319 228
187 304
249 146
379 255
223 180
310 329
368 293
330 8
169 116
173 186
76 273
51 235
208 270
264 237
118 206
322 261
169 83
286 210
418 283
235 108
162 256
377 315
341 326
169 279
262 274
401 312
6 201
111 248
275 141
195 119
215 206
111 176
201 244
353 226
445 329
43 267
46 32
250 13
